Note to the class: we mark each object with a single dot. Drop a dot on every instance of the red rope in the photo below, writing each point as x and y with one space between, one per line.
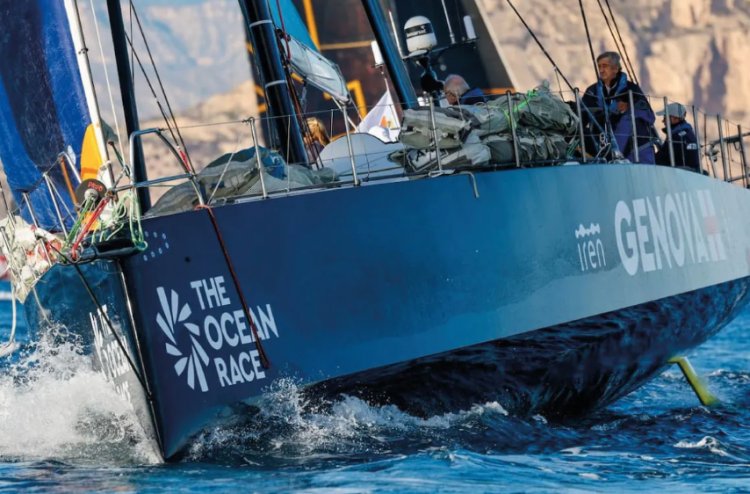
283 30
92 219
261 352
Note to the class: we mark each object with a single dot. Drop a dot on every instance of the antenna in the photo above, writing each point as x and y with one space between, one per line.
448 21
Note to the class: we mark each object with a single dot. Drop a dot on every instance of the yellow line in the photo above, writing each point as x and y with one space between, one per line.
355 87
312 26
498 90
345 46
259 91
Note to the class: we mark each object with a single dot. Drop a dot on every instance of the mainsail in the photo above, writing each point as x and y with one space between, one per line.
43 110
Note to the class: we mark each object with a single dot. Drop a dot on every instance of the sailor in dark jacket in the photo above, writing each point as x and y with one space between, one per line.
457 91
684 142
610 96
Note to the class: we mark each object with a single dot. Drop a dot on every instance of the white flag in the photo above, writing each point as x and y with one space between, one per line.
382 121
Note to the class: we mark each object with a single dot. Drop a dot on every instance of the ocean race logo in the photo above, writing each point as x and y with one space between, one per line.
654 233
210 337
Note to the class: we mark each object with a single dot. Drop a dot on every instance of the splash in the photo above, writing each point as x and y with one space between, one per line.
54 406
708 443
288 428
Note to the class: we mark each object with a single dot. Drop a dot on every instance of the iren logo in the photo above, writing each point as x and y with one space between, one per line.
590 247
196 360
668 231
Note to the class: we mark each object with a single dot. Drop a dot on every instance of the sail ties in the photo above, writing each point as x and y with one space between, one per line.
235 279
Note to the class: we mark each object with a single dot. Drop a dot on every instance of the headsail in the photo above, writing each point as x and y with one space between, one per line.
43 110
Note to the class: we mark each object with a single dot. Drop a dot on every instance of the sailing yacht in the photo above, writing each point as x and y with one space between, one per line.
423 277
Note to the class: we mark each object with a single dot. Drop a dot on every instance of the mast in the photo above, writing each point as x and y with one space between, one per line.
84 68
391 55
127 93
268 60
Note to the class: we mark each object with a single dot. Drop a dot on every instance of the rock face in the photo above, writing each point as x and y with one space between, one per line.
688 50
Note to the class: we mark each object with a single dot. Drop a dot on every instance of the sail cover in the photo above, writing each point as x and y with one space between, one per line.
317 70
43 109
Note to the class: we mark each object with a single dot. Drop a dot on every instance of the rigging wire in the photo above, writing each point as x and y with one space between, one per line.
264 360
624 49
107 321
619 45
186 166
132 50
106 75
557 70
588 39
10 346
180 141
612 33
540 45
298 105
608 134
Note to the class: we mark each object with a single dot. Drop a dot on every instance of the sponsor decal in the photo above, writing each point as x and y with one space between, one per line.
590 248
670 231
209 336
158 244
112 359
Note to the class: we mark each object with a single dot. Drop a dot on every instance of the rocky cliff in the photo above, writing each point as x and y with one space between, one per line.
688 50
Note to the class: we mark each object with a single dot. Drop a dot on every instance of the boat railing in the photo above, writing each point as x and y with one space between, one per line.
722 152
29 248
721 144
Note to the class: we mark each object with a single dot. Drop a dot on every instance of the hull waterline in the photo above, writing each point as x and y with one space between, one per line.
436 293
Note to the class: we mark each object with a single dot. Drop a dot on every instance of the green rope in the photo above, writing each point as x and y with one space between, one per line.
86 208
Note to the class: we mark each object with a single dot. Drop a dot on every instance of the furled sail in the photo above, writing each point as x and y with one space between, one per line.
43 110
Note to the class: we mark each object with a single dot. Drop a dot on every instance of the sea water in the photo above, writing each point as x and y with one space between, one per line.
63 429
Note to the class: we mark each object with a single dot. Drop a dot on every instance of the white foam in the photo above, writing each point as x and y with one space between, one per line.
708 443
287 423
53 405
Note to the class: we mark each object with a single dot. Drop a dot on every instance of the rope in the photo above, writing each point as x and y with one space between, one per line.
106 74
226 167
185 165
10 346
92 219
618 44
107 321
283 29
235 279
541 46
179 139
86 207
624 50
607 124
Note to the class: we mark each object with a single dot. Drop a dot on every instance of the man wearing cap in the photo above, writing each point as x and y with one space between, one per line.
683 140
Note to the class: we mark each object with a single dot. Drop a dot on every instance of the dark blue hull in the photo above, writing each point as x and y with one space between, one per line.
564 370
553 289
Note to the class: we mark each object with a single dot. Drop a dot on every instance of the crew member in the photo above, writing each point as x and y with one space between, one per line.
610 96
458 92
683 140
